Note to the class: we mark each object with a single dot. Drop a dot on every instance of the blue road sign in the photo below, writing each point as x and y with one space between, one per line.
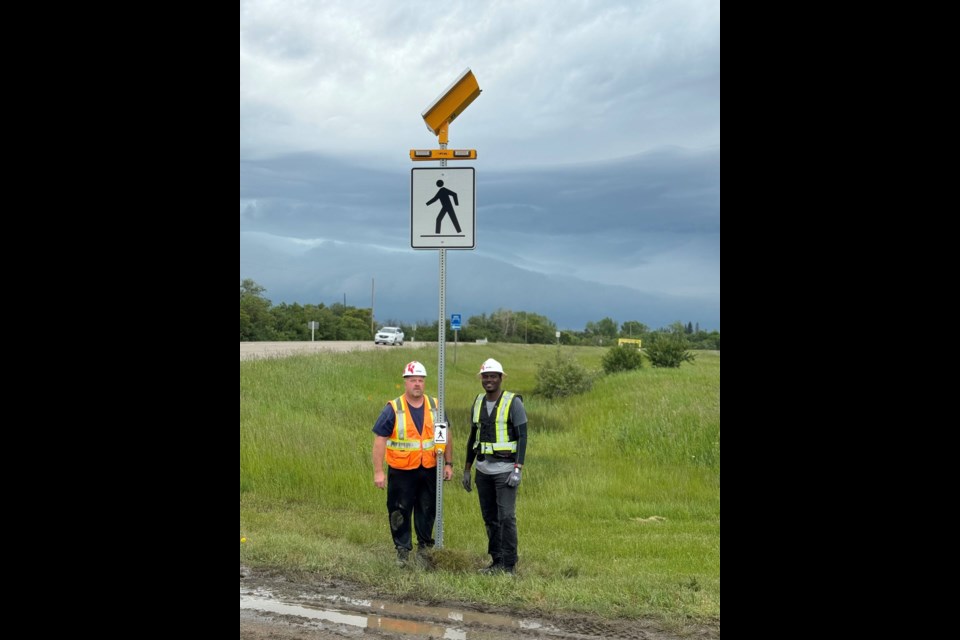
455 321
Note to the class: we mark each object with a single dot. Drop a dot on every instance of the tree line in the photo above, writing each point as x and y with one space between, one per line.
261 320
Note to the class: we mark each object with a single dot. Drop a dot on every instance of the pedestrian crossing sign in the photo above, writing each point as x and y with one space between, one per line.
443 208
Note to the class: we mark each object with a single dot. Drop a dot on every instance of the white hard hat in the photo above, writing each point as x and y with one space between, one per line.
491 366
414 369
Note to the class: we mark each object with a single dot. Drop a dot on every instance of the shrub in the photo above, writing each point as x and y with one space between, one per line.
625 357
668 350
562 377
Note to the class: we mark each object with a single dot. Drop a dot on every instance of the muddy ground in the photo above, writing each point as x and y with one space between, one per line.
279 606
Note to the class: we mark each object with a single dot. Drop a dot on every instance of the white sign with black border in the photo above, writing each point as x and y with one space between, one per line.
443 208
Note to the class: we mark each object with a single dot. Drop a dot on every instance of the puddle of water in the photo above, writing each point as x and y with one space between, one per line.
272 606
413 620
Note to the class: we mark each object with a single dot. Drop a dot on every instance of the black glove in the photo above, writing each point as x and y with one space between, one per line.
514 479
465 481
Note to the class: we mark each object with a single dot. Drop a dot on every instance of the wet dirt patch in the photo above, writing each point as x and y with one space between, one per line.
303 607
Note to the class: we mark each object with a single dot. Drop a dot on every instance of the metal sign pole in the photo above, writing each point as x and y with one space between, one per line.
441 383
438 117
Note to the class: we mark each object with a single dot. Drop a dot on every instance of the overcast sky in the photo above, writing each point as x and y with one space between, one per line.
598 136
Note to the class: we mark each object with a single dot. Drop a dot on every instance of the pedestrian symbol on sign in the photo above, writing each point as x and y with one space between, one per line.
444 195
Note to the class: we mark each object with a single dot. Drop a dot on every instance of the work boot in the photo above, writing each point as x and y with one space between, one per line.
495 567
424 557
402 556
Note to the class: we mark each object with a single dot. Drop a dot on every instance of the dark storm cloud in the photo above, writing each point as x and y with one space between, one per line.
598 132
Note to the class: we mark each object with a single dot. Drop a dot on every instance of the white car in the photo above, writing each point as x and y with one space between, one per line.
389 335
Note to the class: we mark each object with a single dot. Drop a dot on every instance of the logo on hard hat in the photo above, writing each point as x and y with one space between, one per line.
491 366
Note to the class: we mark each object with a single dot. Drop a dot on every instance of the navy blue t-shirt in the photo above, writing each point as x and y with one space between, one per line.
387 420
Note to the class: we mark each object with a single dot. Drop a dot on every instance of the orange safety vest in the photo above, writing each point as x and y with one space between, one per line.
406 448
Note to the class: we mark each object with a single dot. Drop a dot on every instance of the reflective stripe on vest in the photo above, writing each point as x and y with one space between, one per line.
501 413
405 437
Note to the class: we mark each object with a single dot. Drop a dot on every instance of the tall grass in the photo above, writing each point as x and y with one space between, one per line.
618 512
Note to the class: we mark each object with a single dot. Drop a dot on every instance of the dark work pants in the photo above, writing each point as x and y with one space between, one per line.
498 506
412 492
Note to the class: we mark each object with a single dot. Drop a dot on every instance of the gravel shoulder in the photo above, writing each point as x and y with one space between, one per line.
255 350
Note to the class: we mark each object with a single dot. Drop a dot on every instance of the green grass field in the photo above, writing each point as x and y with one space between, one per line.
618 511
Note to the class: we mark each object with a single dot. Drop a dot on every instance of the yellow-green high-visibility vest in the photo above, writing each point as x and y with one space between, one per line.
501 414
